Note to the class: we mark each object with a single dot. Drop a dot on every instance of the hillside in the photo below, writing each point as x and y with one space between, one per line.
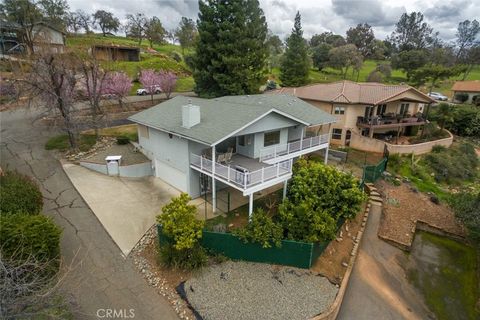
163 59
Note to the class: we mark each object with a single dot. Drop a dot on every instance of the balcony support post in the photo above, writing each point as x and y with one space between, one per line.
214 191
301 138
285 189
326 155
250 207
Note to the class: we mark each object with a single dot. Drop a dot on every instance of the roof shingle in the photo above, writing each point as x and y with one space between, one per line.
221 117
468 86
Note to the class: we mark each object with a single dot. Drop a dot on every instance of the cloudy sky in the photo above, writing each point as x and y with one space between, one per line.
317 15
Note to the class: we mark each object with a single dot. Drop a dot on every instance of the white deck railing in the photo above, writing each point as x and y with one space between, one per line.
241 179
292 147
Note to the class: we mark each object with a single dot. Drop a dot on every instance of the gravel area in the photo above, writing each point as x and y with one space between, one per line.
126 151
242 290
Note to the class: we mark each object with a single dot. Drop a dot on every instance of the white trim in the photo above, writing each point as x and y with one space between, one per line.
296 154
170 132
257 119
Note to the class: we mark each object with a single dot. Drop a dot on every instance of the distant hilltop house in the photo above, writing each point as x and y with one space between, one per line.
466 91
115 53
45 37
372 110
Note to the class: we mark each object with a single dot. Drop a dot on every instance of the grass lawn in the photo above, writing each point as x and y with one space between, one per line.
128 130
87 138
61 143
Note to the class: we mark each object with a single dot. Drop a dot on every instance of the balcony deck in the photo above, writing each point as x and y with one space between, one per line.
390 123
293 149
243 173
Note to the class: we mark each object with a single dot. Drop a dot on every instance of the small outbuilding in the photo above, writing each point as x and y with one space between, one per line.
115 53
466 91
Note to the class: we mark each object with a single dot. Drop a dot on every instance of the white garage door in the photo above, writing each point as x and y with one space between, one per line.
171 175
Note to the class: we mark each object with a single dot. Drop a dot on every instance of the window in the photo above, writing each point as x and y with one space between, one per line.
143 131
241 141
271 138
381 108
339 110
368 112
404 109
337 134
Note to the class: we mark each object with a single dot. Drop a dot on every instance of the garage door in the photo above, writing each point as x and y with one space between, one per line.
171 175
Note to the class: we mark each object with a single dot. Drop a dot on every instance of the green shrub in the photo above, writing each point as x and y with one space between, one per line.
455 164
318 196
439 148
303 223
467 209
19 194
183 231
176 56
24 236
462 97
188 259
122 140
261 229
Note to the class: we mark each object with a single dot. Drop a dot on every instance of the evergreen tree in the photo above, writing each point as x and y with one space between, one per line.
295 64
231 53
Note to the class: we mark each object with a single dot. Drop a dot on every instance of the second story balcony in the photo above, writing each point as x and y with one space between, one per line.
390 121
281 152
243 173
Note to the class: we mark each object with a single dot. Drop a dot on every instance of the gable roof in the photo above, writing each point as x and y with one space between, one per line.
353 92
223 117
468 86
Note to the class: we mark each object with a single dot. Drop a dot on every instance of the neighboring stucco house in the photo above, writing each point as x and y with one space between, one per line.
468 88
368 109
253 139
44 37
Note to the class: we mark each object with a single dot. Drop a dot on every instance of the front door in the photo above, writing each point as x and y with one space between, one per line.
205 184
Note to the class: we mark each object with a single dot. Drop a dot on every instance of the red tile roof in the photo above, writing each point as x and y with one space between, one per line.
468 86
351 92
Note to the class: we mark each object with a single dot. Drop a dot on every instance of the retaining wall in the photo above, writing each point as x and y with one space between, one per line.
374 145
130 171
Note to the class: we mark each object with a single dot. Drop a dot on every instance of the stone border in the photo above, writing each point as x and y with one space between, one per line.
332 312
421 226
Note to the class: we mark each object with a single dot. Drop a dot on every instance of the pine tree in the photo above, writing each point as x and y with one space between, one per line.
295 64
231 54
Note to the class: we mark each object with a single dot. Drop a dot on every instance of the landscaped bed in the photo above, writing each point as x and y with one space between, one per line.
404 206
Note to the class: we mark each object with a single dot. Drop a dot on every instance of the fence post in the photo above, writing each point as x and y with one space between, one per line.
228 173
201 162
245 180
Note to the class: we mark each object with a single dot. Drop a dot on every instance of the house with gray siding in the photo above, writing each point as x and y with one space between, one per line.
246 142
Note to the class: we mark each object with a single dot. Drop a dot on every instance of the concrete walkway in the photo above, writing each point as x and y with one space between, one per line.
126 207
378 287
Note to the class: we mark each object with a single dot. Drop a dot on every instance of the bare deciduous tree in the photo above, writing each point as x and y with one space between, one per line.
52 79
29 289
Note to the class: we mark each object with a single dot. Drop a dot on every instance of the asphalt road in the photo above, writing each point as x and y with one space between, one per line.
378 287
100 278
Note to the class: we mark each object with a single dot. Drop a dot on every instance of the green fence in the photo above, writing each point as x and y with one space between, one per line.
372 173
291 253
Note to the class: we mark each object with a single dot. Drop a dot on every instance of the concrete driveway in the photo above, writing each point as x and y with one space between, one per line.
126 207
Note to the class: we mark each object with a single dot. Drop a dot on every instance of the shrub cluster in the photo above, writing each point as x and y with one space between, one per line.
465 120
453 164
183 231
261 229
318 196
24 236
467 209
19 194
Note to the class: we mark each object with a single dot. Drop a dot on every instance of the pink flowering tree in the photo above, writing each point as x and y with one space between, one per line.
150 81
117 84
168 81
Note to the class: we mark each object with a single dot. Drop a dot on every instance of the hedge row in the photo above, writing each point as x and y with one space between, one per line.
19 194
